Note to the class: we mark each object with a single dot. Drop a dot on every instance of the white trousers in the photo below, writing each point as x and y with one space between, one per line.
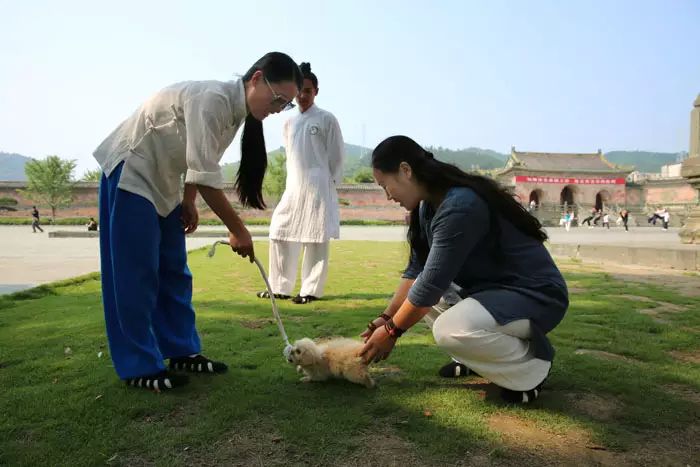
501 354
284 258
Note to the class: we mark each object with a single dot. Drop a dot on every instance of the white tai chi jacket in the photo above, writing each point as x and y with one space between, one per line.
308 210
183 129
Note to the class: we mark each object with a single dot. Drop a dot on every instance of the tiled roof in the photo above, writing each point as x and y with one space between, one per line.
560 161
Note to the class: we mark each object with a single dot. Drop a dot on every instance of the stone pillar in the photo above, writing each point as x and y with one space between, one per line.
690 233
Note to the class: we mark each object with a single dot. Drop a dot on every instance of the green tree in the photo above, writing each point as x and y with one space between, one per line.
363 175
276 176
49 182
92 175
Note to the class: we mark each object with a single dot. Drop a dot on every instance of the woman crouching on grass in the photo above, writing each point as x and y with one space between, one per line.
470 235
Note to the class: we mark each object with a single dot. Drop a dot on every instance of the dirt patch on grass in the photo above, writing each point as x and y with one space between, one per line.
528 443
684 392
254 323
654 314
128 460
244 448
686 357
665 307
680 281
384 448
596 406
634 298
655 311
605 355
672 448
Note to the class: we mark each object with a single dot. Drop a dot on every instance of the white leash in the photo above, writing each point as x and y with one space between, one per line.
275 311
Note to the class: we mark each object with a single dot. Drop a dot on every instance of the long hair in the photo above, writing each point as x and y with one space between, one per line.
437 177
276 67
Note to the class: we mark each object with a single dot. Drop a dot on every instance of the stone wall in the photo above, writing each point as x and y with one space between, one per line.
357 202
368 201
671 191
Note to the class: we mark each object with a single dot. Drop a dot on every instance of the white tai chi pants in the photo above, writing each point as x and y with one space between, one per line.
284 258
501 354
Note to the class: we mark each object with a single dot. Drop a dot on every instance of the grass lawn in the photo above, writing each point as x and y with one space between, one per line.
623 391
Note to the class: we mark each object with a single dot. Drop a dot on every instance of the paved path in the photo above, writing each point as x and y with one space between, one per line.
28 259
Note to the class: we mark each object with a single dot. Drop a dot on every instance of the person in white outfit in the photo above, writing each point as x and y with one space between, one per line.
666 217
307 216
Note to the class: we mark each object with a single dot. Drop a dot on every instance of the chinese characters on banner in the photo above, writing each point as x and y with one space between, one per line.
570 181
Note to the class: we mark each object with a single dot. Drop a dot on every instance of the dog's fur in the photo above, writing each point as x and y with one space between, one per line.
331 358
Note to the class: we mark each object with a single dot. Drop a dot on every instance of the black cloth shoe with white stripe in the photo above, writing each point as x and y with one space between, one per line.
158 382
303 299
454 370
197 364
278 296
521 397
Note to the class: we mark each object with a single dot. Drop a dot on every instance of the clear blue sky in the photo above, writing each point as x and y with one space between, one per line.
540 75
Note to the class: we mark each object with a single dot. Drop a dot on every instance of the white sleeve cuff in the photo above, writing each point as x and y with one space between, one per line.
210 179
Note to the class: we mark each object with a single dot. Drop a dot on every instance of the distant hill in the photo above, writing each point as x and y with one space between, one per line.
12 166
485 159
355 157
470 158
644 161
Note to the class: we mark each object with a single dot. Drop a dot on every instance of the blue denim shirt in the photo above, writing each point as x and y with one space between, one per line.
523 283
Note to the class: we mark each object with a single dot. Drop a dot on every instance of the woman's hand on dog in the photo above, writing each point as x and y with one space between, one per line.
377 323
378 346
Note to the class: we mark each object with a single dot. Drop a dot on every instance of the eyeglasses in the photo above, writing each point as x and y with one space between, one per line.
278 100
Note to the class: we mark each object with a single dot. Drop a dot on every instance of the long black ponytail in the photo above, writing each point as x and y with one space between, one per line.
276 67
439 176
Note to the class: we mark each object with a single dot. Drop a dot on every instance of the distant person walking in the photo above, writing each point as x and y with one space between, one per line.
625 215
35 220
588 219
666 217
658 215
606 220
567 220
562 221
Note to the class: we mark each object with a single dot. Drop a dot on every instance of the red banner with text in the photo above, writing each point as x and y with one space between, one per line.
570 181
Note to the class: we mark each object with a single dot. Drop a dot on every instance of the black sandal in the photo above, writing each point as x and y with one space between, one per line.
521 397
455 370
278 296
299 300
197 364
158 382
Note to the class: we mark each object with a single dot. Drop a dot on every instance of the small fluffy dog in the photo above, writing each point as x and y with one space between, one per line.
331 358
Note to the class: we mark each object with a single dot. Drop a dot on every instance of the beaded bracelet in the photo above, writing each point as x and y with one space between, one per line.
393 330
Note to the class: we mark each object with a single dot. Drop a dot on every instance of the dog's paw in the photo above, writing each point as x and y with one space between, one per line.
305 379
299 369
